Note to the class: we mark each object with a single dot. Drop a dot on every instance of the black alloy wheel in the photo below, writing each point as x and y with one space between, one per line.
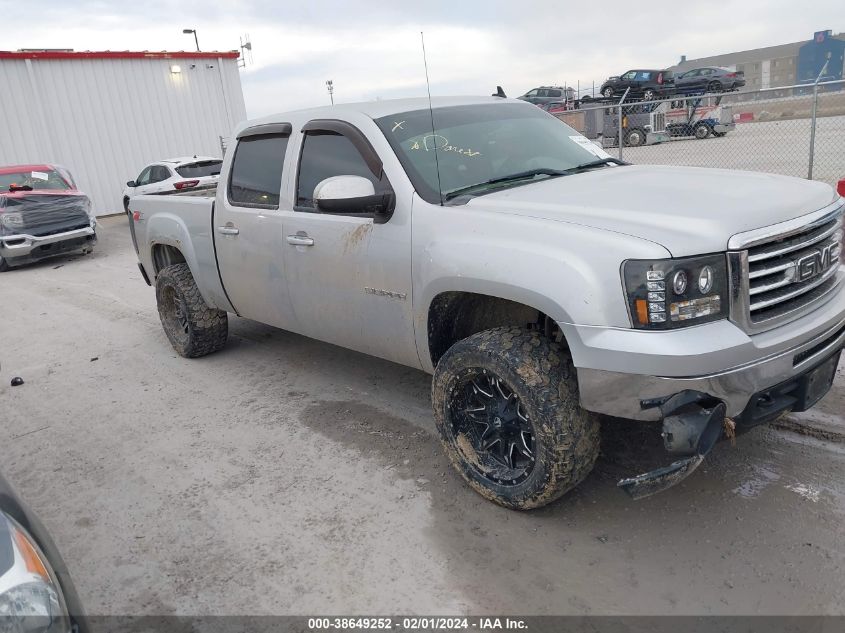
489 413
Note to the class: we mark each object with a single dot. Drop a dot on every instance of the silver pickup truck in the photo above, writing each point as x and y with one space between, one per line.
540 281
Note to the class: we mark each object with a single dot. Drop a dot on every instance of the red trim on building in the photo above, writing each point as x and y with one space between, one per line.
118 55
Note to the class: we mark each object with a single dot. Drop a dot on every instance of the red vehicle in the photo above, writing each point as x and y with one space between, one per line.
42 214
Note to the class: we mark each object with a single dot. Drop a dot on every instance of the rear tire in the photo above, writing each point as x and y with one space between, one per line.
648 95
193 328
4 265
507 411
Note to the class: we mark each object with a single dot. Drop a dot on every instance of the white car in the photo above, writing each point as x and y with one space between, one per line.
174 174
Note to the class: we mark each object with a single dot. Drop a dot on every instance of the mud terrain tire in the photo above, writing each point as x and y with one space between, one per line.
194 329
540 373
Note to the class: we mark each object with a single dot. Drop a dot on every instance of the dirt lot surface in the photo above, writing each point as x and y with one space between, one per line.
777 147
284 475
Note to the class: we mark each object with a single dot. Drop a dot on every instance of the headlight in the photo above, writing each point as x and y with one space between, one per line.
11 220
30 597
670 293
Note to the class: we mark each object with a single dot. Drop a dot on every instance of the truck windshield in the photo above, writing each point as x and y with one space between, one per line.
33 180
480 147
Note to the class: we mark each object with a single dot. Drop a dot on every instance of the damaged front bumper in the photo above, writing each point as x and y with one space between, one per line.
693 421
794 367
22 248
692 424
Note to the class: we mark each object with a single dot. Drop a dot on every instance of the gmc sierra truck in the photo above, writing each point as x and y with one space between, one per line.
539 280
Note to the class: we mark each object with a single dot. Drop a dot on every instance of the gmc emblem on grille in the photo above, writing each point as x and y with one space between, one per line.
817 263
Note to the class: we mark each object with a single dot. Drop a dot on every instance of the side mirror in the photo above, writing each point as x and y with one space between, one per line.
353 194
130 183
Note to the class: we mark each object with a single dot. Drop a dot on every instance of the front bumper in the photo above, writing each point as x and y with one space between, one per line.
22 248
623 373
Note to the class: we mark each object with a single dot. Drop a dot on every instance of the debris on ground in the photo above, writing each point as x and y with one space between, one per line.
95 358
17 381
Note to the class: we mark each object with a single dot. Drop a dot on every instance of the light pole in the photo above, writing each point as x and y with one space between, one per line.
330 88
196 40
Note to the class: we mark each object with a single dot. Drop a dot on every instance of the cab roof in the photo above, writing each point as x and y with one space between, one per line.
376 109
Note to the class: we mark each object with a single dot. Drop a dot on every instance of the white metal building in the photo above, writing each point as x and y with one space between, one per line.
104 115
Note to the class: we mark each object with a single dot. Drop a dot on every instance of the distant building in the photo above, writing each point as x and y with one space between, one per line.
781 65
105 115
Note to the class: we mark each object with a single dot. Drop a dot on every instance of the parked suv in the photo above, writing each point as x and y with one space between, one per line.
648 84
174 174
547 94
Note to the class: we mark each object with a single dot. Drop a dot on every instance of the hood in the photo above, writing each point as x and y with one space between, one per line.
688 210
41 192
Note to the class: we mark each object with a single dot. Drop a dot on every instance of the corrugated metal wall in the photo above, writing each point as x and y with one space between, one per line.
104 119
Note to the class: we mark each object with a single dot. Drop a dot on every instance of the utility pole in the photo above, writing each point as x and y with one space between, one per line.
330 88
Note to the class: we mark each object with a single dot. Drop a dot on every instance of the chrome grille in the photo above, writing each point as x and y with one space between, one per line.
658 122
782 273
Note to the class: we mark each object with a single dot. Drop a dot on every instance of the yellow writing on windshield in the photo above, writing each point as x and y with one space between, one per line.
440 142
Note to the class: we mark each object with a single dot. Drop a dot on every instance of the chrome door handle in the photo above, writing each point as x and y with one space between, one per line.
300 240
228 230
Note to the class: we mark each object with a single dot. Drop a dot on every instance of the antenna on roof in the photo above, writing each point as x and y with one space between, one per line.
431 114
246 51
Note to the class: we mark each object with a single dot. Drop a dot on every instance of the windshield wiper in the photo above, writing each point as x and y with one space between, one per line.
523 175
595 163
532 173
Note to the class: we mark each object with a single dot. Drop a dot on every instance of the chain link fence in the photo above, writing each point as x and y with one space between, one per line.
795 130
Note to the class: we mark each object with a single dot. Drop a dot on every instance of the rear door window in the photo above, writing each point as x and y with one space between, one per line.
159 173
256 173
554 93
200 169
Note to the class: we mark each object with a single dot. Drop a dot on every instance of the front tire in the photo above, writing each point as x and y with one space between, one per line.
702 131
193 328
4 265
507 411
607 93
635 138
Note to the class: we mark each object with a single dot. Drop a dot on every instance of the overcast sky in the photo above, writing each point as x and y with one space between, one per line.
371 49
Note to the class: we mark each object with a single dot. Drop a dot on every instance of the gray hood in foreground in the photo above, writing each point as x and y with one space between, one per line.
688 210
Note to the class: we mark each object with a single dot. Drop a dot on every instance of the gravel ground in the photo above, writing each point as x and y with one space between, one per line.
778 147
285 476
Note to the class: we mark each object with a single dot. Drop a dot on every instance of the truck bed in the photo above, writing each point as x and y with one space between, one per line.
183 221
